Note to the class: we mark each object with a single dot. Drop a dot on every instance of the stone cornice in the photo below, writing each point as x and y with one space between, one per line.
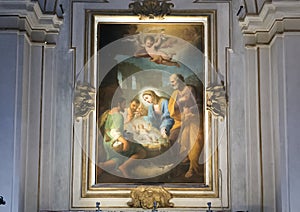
28 17
274 18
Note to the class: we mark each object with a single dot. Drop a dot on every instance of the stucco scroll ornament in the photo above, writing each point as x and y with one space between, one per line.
151 9
84 100
216 101
149 197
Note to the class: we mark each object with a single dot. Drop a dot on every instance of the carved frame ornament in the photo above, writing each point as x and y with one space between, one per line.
148 197
84 100
86 186
151 9
216 101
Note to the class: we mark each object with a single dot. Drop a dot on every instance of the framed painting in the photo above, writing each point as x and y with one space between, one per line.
149 131
151 75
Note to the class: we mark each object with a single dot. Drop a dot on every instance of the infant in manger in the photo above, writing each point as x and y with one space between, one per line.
144 133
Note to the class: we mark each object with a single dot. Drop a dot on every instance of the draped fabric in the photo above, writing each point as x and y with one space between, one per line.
190 137
174 110
162 120
192 141
114 126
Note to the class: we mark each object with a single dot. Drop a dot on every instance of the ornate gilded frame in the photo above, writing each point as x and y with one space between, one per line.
84 193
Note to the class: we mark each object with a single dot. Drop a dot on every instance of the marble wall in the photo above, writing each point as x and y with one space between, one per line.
271 95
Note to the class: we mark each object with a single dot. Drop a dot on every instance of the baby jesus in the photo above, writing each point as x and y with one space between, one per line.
144 133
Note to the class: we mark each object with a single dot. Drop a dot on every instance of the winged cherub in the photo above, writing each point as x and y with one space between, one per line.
156 48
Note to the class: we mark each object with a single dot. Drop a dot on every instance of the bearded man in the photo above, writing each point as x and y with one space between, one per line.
188 126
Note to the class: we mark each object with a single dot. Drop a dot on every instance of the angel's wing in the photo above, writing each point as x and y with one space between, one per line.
141 53
137 42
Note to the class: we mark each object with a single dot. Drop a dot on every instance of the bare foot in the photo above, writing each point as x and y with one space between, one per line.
189 174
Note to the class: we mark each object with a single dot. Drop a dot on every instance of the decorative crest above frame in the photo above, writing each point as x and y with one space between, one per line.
151 9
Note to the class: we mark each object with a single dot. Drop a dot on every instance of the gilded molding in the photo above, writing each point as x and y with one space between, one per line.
84 100
147 196
27 16
274 18
151 9
216 101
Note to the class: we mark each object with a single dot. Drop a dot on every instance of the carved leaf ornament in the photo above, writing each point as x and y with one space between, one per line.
151 9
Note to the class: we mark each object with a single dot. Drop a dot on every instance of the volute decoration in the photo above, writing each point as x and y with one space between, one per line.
150 9
147 196
84 100
216 100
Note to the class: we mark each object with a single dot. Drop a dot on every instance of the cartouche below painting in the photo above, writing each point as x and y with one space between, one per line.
150 103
